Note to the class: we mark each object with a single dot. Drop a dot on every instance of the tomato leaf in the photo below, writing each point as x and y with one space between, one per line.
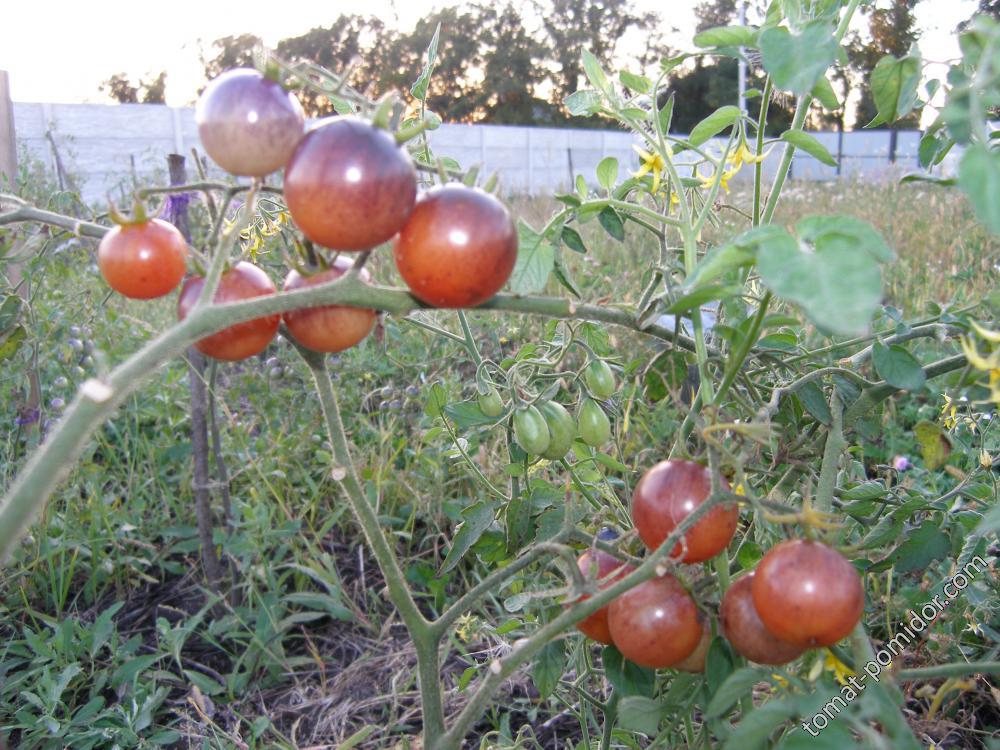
714 124
796 61
637 83
548 667
924 545
823 92
627 677
437 398
808 143
637 713
934 445
815 402
894 82
595 73
10 342
467 414
607 172
419 88
727 36
737 685
475 520
979 179
752 731
535 259
572 239
583 102
612 223
897 367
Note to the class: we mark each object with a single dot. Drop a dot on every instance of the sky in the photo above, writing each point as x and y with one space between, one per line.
66 60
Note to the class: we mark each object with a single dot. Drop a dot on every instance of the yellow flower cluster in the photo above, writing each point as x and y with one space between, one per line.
989 363
264 225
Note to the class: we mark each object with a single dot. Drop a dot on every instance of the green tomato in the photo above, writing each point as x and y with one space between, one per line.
595 427
490 403
530 431
562 430
600 379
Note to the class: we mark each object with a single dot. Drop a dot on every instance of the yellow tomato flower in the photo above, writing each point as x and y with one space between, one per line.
652 163
744 155
466 628
840 670
709 180
780 680
949 413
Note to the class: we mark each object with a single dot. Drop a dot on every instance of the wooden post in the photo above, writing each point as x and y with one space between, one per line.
8 142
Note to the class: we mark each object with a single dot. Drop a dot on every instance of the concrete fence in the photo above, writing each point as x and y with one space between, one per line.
109 149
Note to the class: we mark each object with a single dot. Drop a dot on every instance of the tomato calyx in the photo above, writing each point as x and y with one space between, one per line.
140 213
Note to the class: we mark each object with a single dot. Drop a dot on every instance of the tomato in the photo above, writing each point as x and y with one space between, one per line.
807 594
656 624
742 627
562 430
530 431
599 378
143 260
247 123
595 427
598 566
349 185
330 328
664 497
240 340
458 248
490 403
695 663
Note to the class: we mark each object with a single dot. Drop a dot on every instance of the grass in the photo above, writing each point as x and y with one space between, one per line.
107 636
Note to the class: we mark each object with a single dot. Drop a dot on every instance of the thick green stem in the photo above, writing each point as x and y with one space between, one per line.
835 445
947 670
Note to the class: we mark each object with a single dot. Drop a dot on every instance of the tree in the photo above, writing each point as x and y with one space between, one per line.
147 91
233 52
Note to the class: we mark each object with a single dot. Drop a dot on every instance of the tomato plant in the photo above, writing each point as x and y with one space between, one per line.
562 430
248 124
144 259
600 379
241 340
666 494
329 328
531 431
807 594
599 566
695 662
656 624
491 403
743 628
458 247
349 185
594 425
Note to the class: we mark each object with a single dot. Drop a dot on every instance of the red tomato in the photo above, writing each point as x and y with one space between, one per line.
742 627
349 186
458 248
807 594
241 340
330 328
595 626
143 260
656 624
665 496
247 123
695 663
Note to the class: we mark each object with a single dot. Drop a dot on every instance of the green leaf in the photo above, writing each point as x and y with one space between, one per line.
627 677
10 311
583 102
607 172
737 685
934 445
894 82
924 545
847 230
548 668
865 491
814 401
475 520
563 276
714 124
10 342
128 671
595 73
721 260
638 84
437 398
749 555
802 140
727 36
897 367
979 179
572 239
702 295
612 223
666 114
753 729
467 414
419 88
797 61
639 714
535 258
823 92
932 149
203 682
836 736
831 272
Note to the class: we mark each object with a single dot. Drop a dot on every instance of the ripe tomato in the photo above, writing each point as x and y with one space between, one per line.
597 566
742 627
664 497
595 427
241 340
562 430
807 594
330 328
656 624
599 379
458 248
143 260
490 403
695 663
349 185
530 431
247 123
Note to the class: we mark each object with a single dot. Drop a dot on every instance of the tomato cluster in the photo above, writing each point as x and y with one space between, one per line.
802 594
349 186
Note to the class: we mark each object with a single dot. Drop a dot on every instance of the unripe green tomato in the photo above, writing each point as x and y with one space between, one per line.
530 431
490 403
562 430
600 379
595 427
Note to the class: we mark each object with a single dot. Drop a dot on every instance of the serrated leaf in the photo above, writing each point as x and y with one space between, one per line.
897 367
805 142
894 84
924 545
535 258
475 520
637 713
796 61
714 124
